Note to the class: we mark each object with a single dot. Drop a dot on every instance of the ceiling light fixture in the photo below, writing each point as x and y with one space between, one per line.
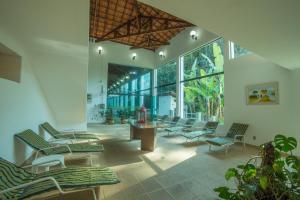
194 35
133 56
100 50
162 54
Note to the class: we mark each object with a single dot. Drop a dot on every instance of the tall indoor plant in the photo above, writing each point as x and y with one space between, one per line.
276 178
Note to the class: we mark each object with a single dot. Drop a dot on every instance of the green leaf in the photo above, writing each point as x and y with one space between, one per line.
250 171
278 165
231 172
292 161
263 181
285 144
223 192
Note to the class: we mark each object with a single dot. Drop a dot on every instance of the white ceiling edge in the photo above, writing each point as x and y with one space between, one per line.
269 28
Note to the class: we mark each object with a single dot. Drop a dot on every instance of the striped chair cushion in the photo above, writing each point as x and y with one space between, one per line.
76 148
11 176
37 142
50 129
33 139
56 134
211 125
237 129
68 178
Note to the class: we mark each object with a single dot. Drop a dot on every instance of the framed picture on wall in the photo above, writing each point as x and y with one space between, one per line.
262 94
89 98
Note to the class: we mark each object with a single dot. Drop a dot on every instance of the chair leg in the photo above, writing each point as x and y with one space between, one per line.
95 194
226 149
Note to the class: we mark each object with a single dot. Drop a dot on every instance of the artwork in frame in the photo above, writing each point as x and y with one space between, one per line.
89 98
262 94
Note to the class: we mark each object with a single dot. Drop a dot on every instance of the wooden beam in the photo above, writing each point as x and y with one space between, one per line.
150 46
149 23
167 19
143 32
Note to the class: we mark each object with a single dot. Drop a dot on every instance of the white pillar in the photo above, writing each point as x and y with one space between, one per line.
179 87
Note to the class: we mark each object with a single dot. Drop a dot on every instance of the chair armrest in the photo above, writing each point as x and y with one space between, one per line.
239 136
53 140
32 183
69 130
42 163
53 147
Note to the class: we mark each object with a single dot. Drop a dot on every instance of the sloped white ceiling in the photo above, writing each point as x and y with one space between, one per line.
270 28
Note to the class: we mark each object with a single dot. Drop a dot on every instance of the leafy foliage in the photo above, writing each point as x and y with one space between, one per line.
205 95
277 178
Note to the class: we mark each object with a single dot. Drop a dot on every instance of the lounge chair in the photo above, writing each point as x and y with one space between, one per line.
236 133
181 124
168 123
17 183
67 135
198 132
42 146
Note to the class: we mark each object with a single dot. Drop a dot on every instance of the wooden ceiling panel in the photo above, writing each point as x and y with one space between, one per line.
133 23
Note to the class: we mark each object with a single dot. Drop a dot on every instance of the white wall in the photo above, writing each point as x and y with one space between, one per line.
295 107
22 106
55 35
265 120
183 43
98 68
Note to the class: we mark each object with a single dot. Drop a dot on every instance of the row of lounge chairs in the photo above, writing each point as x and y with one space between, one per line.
18 183
192 129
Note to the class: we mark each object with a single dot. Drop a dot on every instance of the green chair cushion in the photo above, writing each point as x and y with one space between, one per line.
38 143
220 141
68 178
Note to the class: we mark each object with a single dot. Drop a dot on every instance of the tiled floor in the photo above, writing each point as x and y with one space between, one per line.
175 170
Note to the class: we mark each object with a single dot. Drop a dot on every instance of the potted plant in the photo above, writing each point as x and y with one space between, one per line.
276 178
109 117
123 116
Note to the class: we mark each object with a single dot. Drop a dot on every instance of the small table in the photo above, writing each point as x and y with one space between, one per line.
49 161
146 132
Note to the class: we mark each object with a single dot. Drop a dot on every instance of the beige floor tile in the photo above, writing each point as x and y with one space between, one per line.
175 170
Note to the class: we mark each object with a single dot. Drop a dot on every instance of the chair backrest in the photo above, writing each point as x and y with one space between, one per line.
50 129
175 119
33 139
237 129
181 122
10 176
211 125
190 122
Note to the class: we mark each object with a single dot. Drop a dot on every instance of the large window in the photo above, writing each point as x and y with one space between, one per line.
236 50
204 82
166 89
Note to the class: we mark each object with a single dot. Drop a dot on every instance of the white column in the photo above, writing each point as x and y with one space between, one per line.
179 87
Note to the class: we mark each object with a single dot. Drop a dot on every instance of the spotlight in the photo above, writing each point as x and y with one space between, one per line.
100 50
162 54
193 35
133 56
